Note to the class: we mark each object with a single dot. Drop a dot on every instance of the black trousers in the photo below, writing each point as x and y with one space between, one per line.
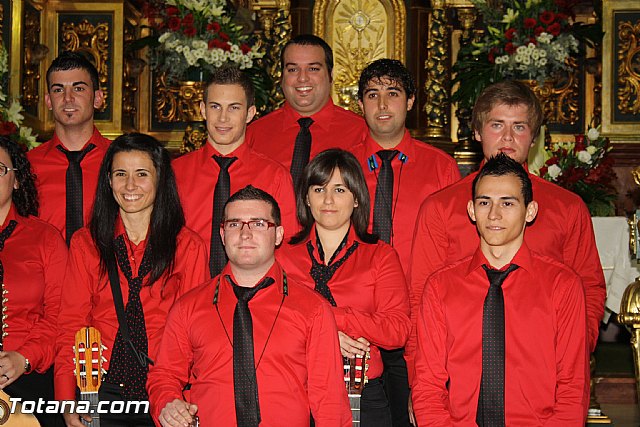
36 386
396 385
111 392
374 405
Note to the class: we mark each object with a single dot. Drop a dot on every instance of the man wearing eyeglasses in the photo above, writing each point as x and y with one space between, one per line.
207 176
256 347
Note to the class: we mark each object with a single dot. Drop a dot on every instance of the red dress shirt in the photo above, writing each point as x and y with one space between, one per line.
562 230
87 297
299 366
370 291
34 260
545 344
197 174
274 135
50 166
425 171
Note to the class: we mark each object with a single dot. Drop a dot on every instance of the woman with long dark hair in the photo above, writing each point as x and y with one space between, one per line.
33 257
137 235
359 275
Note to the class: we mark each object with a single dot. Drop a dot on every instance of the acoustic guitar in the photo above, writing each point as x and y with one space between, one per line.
355 378
88 359
17 419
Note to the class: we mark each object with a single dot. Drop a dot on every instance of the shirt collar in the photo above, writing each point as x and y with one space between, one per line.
275 271
209 152
406 146
95 136
11 215
522 258
322 118
352 237
120 230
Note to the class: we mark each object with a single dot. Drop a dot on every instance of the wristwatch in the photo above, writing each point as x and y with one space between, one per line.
27 366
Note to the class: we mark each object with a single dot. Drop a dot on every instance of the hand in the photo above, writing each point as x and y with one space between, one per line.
350 347
11 367
74 420
177 413
412 417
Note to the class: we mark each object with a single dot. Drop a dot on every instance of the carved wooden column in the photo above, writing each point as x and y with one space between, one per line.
436 85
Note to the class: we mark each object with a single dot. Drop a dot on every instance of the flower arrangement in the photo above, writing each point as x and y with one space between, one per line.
582 166
11 111
197 33
523 39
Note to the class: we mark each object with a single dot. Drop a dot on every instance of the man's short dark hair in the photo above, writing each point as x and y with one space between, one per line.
502 165
232 75
252 193
386 68
70 60
311 40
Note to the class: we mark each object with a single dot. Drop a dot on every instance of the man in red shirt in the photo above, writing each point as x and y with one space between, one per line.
275 367
483 317
400 173
507 119
207 176
309 122
67 165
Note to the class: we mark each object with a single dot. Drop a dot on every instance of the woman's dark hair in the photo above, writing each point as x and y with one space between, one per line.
318 172
25 197
167 217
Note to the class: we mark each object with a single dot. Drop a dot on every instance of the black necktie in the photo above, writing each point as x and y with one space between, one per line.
383 207
321 273
125 367
74 218
4 235
491 400
302 149
217 255
245 383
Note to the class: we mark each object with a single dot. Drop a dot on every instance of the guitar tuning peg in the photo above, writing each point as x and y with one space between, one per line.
104 359
104 347
74 349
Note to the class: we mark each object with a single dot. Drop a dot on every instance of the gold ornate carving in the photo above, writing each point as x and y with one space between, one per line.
275 21
359 31
435 86
179 103
195 136
629 67
34 53
92 40
560 97
630 317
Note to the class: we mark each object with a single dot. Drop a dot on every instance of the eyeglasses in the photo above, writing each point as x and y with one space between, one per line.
4 169
254 225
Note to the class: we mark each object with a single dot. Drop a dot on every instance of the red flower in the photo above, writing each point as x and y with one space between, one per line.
174 23
530 23
547 17
7 128
172 11
552 161
543 171
554 29
212 43
214 27
492 55
509 48
561 17
538 30
189 30
217 43
245 48
533 40
225 46
579 138
224 37
510 33
188 19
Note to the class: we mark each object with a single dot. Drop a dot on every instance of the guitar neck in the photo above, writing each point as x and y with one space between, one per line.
354 402
92 398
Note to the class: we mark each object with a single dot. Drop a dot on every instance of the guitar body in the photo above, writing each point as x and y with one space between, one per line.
88 360
18 419
355 378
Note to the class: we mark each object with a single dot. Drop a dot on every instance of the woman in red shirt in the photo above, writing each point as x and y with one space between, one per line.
33 257
137 233
358 274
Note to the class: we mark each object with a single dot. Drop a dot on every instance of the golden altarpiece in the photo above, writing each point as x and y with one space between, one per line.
603 87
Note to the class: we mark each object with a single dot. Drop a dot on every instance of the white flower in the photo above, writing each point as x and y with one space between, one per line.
593 134
591 149
13 113
584 157
28 137
554 171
